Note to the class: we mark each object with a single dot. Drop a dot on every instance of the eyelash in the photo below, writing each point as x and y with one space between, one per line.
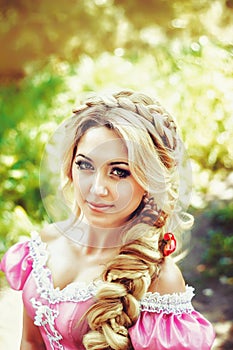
123 173
83 165
118 172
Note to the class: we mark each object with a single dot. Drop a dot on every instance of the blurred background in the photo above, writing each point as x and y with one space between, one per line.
180 51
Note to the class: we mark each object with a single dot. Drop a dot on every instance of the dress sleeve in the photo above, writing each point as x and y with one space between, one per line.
17 265
170 322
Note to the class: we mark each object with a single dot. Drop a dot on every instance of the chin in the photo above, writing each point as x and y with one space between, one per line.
105 224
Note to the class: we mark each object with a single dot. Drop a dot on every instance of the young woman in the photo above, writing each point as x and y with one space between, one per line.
103 278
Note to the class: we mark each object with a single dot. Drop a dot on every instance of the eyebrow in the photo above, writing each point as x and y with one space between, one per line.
112 163
82 155
117 163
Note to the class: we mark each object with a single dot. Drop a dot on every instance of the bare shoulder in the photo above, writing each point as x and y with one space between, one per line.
55 231
49 233
170 279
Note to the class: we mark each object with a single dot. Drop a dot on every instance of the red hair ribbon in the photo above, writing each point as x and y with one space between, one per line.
170 246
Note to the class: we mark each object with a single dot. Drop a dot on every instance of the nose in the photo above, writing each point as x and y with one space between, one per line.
98 186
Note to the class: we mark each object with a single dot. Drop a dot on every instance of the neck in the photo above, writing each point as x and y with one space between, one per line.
94 239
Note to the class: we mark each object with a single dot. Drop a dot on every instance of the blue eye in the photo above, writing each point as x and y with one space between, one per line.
121 173
84 165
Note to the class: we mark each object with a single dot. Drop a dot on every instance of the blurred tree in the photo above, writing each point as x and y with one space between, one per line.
180 50
24 109
35 30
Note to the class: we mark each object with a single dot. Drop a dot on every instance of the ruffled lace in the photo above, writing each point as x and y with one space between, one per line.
46 315
176 303
169 303
30 258
75 291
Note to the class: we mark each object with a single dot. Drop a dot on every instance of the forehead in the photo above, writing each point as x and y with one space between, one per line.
102 143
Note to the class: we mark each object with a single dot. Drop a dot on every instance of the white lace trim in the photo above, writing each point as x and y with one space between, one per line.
45 315
72 292
176 303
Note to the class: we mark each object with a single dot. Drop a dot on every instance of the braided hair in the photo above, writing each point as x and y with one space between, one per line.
127 278
152 141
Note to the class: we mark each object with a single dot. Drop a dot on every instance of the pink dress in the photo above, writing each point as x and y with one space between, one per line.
165 322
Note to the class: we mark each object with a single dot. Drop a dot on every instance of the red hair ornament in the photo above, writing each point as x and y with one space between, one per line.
170 244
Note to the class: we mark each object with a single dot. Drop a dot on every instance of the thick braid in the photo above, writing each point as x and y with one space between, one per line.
127 278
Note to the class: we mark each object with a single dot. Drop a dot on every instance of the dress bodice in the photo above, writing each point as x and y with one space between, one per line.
165 322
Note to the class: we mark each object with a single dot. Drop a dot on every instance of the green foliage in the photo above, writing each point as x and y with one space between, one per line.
92 27
219 254
24 109
222 214
219 240
192 78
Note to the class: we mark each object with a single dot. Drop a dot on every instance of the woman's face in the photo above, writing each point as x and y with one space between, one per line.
105 189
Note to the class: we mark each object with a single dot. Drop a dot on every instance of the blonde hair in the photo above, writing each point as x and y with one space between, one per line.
153 145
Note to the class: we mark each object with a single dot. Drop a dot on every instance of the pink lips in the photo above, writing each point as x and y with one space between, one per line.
99 207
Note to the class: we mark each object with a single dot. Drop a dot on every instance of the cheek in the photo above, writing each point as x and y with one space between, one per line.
126 193
81 184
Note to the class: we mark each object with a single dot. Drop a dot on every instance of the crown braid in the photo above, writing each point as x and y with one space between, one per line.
142 105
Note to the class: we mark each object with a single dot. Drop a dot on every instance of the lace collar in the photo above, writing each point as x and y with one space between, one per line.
154 302
75 291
